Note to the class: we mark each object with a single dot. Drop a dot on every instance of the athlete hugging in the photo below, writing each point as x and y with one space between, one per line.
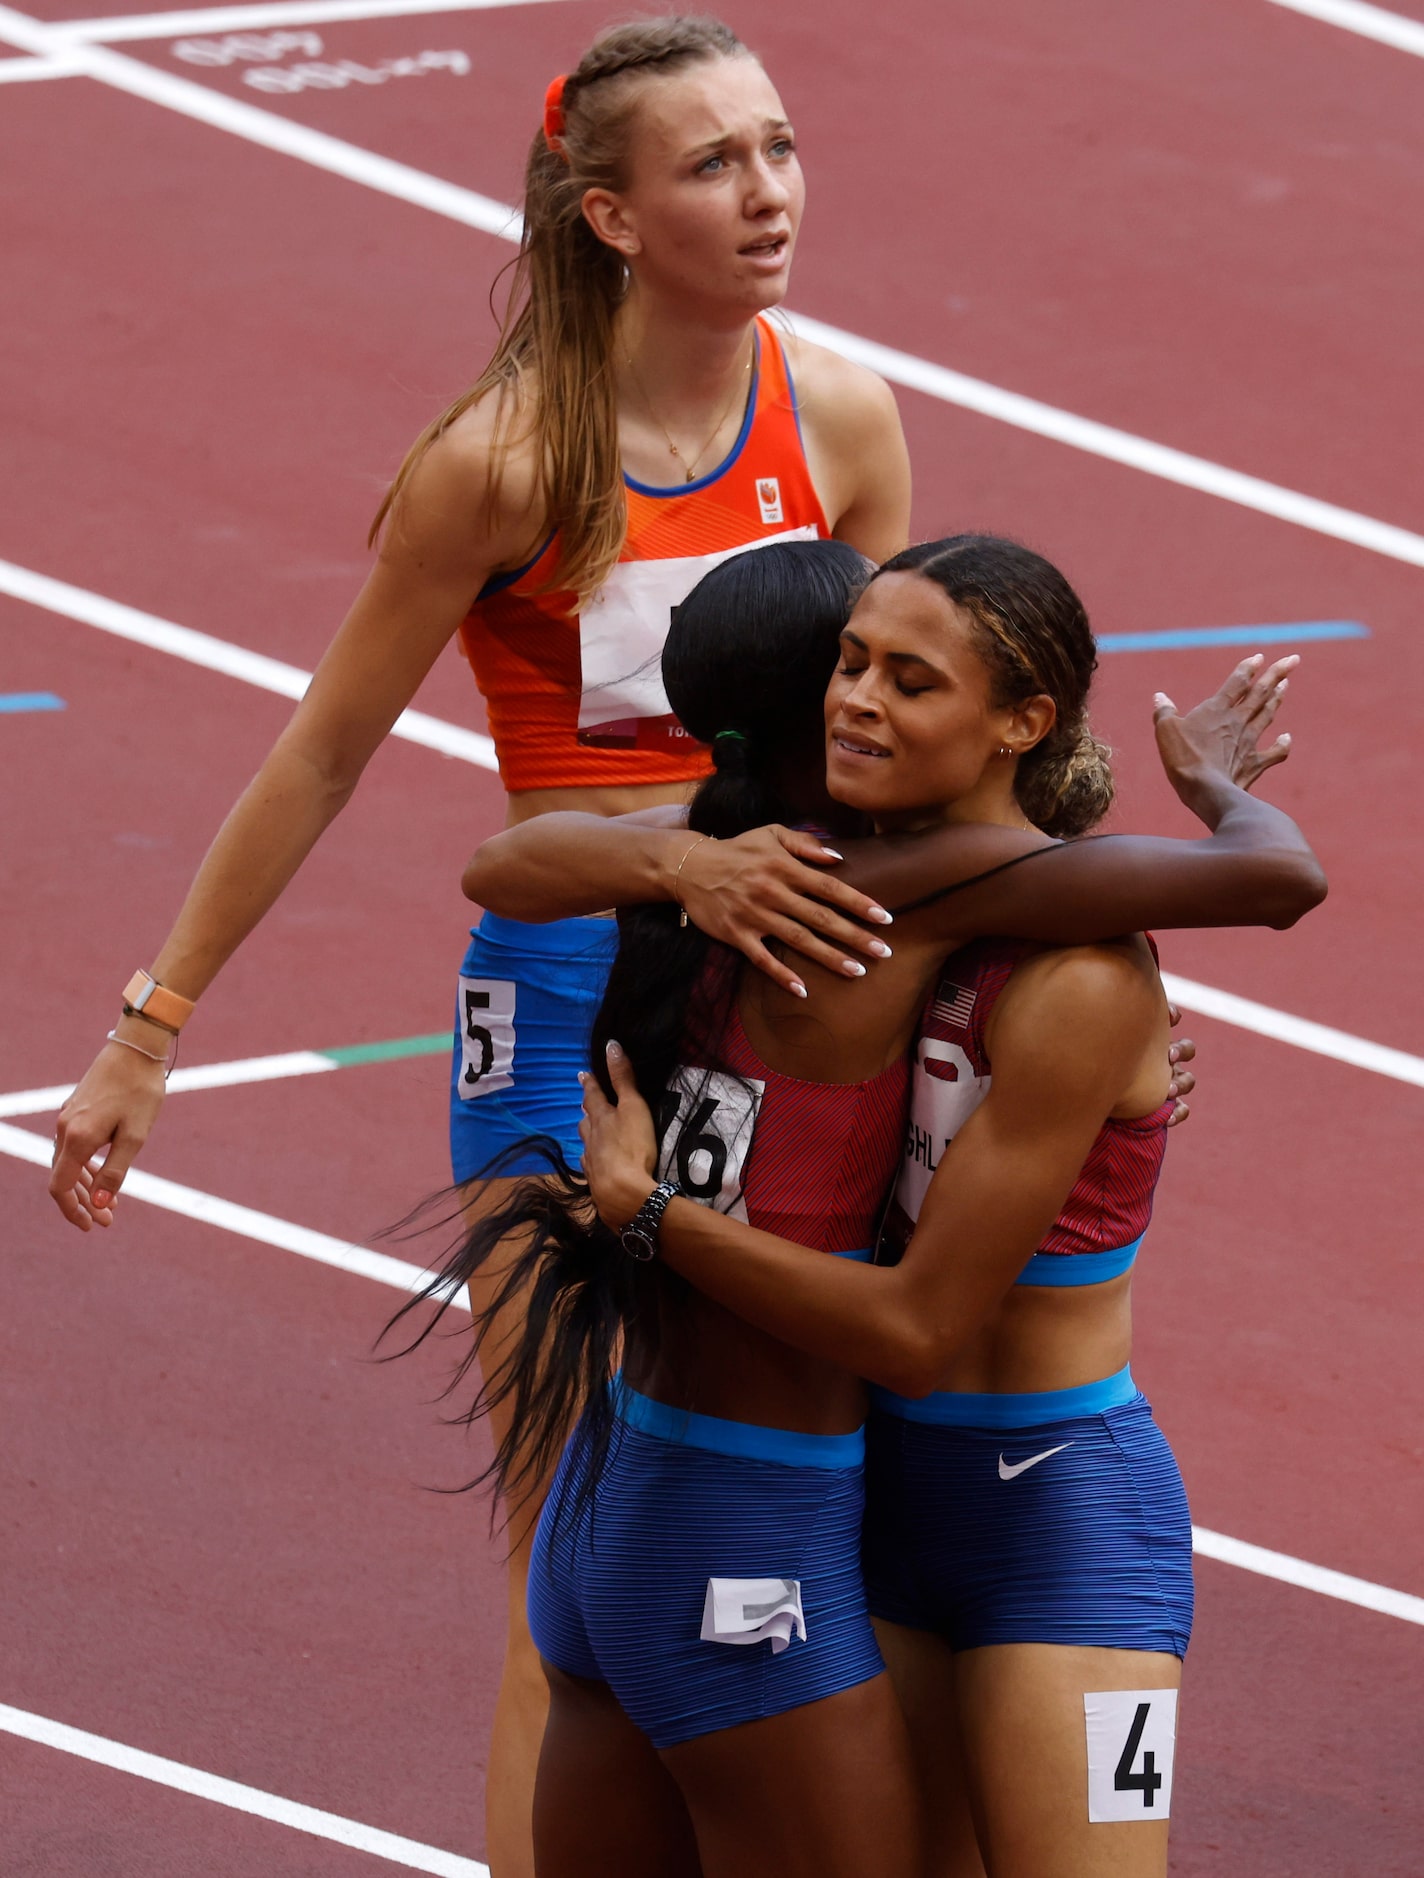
791 1624
779 1627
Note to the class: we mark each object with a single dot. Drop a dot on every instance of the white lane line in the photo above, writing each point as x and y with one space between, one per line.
245 1221
1318 1578
1120 446
210 1210
29 71
1300 1031
434 733
265 128
936 381
236 1070
1390 29
390 1846
180 25
218 655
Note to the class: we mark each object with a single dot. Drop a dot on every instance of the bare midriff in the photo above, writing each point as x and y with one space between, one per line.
607 799
1047 1337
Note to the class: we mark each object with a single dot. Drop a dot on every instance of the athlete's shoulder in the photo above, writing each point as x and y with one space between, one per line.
839 395
1078 990
475 488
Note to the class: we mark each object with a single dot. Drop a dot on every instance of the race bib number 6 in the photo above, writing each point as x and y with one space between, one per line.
705 1125
1132 1738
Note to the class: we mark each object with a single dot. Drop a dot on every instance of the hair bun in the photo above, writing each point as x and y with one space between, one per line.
731 752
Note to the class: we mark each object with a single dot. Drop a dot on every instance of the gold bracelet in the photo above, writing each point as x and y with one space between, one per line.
124 1043
677 876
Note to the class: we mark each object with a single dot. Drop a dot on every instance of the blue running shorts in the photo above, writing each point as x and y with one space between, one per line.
524 1013
1054 1518
619 1591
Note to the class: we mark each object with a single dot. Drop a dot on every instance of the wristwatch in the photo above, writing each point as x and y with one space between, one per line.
640 1235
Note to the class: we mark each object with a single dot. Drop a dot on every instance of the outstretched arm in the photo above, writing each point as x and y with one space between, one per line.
1254 869
957 881
1063 1054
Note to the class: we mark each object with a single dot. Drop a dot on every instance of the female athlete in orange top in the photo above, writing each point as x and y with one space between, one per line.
638 418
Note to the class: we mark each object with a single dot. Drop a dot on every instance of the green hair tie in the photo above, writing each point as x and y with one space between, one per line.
739 736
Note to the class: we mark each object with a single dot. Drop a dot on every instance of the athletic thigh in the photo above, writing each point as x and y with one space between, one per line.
1022 1716
604 1804
922 1673
822 1791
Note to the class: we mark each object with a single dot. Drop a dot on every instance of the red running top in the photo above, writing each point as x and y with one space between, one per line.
809 1161
1111 1202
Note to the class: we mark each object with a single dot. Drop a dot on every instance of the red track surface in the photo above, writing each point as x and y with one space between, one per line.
1197 223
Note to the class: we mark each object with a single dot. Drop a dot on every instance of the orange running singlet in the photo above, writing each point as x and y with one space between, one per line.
576 700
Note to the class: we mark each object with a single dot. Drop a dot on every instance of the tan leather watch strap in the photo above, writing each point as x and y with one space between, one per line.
143 993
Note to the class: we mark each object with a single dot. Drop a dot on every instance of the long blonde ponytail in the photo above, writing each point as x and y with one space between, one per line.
554 356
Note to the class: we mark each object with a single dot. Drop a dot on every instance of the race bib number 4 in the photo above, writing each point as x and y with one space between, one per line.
705 1127
1132 1739
486 1010
622 631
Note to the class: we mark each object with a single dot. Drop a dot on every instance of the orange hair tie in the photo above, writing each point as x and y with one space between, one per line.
554 114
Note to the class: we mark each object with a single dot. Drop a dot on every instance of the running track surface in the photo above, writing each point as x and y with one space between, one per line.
1195 223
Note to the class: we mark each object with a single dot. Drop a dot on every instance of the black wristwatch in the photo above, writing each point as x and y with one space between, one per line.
640 1235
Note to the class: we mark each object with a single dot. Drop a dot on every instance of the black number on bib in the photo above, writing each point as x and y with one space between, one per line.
697 1138
477 1034
1149 1780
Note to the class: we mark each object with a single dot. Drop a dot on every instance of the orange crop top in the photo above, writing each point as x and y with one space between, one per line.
576 699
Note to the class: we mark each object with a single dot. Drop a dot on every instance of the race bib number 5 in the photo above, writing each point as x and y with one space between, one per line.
1132 1739
486 1014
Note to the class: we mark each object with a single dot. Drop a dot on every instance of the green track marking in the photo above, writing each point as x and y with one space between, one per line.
390 1051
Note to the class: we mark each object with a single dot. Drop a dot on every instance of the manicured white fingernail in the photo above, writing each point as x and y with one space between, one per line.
831 854
853 968
613 1050
797 988
880 949
878 912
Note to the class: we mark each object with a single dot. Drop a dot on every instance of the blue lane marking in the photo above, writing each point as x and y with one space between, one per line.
30 701
1298 634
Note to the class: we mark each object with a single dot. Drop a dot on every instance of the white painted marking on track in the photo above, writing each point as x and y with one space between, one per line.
254 668
1390 29
1320 1039
256 18
219 655
30 71
237 1070
206 1207
1318 1578
390 1846
245 1221
407 184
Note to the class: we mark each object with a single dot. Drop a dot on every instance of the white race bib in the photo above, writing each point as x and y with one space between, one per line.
1132 1741
753 1610
486 1035
622 632
705 1127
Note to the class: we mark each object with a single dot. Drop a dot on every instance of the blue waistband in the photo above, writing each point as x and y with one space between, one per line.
743 1440
862 1254
956 1409
1079 1268
559 938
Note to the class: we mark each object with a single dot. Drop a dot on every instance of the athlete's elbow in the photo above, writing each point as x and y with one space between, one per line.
1300 887
911 1362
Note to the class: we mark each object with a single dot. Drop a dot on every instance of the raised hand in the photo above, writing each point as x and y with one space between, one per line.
1218 740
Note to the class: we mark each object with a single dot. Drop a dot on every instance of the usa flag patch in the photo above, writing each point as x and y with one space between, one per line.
953 1006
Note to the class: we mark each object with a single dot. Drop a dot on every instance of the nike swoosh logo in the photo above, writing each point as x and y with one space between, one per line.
1007 1473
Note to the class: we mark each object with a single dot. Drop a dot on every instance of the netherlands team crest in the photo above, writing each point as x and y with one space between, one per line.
769 498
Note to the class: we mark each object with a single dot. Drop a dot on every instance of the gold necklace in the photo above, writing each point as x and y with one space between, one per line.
689 468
